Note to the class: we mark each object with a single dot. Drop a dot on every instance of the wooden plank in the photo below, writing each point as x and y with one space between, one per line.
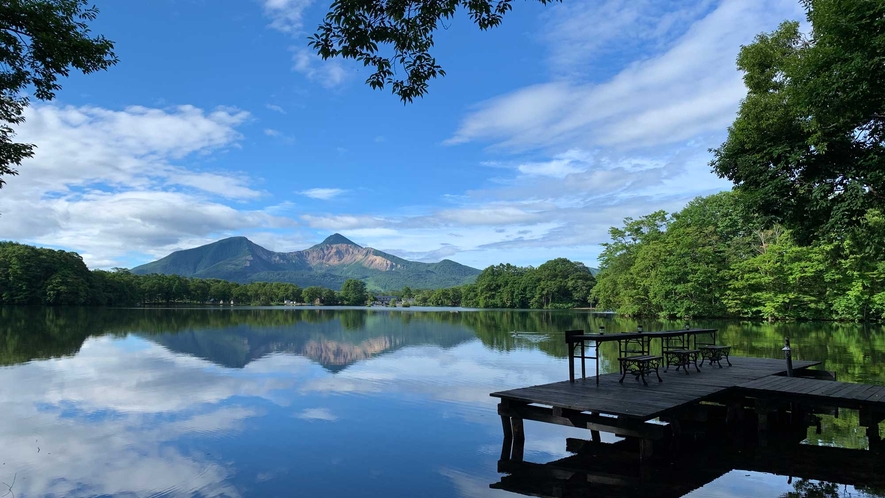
866 393
763 383
585 421
850 391
822 388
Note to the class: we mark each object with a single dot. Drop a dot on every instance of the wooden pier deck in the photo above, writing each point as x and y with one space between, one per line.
633 400
629 408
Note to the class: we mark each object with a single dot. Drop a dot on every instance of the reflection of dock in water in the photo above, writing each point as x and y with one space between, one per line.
612 470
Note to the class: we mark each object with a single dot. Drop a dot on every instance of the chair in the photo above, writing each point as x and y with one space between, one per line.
676 352
635 359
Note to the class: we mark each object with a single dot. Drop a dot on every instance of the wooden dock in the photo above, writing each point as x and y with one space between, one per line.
649 413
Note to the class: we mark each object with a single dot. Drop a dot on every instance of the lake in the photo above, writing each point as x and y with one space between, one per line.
263 402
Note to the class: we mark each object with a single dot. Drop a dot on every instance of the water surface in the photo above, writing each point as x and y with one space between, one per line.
323 402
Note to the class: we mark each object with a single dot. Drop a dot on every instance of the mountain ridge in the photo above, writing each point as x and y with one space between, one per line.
327 264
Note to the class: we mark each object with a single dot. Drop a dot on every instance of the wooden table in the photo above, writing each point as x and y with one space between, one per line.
576 338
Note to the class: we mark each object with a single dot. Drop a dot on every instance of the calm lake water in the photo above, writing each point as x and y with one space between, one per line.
270 402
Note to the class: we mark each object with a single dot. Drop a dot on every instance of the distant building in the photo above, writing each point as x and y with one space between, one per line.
384 300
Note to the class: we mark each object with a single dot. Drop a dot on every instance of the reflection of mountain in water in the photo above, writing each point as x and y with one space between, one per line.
330 344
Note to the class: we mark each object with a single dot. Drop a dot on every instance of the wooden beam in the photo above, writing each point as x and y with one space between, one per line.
613 425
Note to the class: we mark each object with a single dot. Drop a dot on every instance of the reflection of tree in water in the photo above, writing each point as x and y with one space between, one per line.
352 319
804 488
856 352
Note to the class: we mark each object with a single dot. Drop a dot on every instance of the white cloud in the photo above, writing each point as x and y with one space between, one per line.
561 207
275 108
578 38
328 73
271 132
324 194
287 15
690 89
106 183
560 166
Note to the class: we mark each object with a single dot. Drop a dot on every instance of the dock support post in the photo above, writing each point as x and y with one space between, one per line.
518 430
871 422
518 439
646 450
505 424
594 434
763 411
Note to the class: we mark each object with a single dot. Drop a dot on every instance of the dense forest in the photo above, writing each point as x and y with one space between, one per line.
716 259
33 276
556 284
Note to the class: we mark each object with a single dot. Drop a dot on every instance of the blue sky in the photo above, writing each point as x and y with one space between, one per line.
219 121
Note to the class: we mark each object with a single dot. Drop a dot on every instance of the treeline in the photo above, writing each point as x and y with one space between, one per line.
715 259
38 276
556 284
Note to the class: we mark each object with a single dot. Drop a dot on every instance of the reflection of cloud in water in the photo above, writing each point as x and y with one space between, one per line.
741 483
469 486
116 418
95 419
118 455
463 375
316 414
151 380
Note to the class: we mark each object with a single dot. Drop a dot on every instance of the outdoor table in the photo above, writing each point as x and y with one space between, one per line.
576 338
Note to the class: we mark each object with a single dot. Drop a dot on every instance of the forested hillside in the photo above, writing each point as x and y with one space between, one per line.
715 259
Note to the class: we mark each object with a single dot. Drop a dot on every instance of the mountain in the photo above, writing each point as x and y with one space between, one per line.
327 264
336 342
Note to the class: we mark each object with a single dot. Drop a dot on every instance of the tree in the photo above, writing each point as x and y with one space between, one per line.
41 40
329 297
353 292
562 284
806 146
356 30
312 294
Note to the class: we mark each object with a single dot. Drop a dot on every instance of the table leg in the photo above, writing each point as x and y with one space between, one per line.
571 362
583 362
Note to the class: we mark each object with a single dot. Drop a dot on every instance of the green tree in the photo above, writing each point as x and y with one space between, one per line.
358 30
41 40
407 292
353 292
312 294
562 283
619 286
806 146
329 297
